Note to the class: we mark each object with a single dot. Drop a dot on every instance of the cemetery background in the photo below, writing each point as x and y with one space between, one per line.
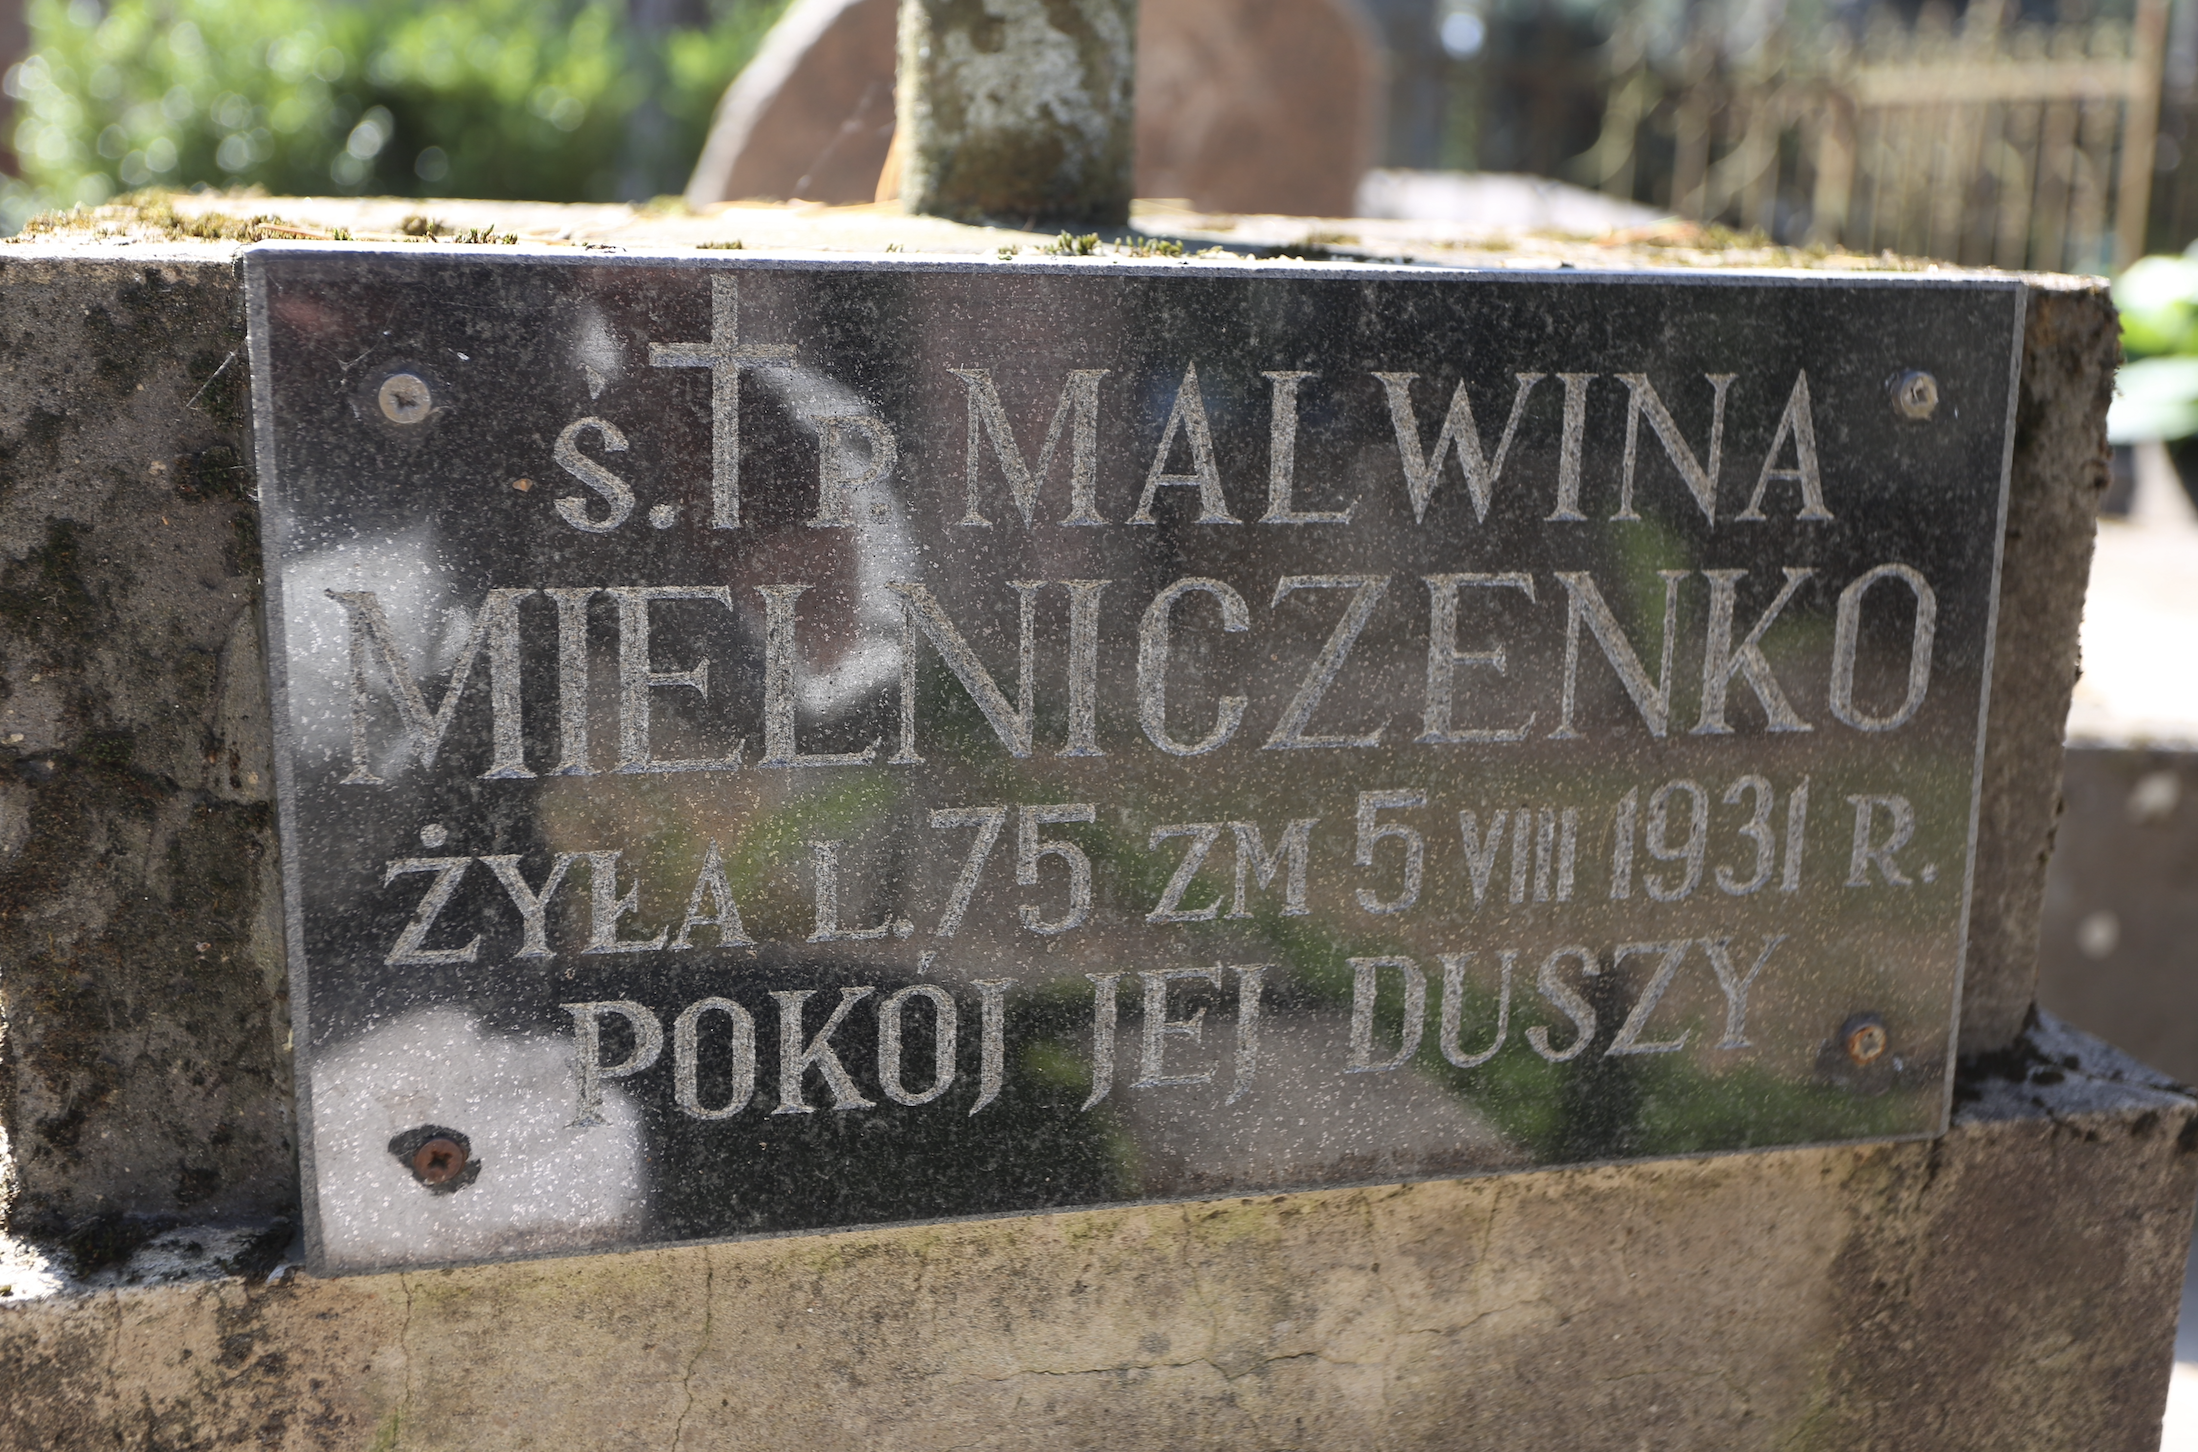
1692 112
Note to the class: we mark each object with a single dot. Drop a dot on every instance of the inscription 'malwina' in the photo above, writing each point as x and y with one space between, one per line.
841 474
1387 850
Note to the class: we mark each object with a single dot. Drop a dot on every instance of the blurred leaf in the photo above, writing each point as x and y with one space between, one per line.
2158 299
2154 398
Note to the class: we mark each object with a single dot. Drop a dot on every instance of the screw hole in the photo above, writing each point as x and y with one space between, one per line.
1865 1038
440 1159
405 398
1916 395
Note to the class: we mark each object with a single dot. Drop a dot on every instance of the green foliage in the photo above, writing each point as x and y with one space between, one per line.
2154 398
553 100
2158 299
2156 393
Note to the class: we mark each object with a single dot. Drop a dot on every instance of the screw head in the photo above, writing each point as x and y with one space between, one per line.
1865 1038
1916 395
439 1161
405 398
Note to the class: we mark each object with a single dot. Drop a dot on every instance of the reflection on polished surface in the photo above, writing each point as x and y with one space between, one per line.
783 746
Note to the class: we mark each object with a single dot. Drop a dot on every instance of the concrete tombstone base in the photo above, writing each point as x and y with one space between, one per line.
2013 1285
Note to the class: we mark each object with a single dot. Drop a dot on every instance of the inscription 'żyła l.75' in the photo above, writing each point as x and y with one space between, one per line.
772 745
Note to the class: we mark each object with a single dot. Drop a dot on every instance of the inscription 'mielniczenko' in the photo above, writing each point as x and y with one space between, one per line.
887 730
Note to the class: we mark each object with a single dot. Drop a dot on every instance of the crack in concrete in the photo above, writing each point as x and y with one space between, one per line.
115 1302
1665 1371
404 1349
1198 1292
1370 1219
702 1344
1190 1361
1481 1262
1471 1321
1385 1361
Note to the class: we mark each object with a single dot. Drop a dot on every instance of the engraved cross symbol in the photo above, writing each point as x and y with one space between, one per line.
724 355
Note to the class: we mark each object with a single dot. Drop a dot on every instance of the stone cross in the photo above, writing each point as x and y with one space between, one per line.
1020 109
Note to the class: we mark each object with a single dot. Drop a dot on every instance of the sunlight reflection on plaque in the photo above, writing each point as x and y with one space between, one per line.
972 740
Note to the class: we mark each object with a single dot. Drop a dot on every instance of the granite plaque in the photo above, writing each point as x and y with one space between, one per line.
776 744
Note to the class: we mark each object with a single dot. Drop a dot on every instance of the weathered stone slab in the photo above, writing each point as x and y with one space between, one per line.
1616 798
141 960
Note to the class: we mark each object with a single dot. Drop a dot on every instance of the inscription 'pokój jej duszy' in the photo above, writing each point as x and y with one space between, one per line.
772 745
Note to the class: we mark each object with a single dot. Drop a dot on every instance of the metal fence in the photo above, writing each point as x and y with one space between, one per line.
1981 142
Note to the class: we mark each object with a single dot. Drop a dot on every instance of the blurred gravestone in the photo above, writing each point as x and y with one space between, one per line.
2117 952
2121 903
812 114
1241 107
1498 203
1256 106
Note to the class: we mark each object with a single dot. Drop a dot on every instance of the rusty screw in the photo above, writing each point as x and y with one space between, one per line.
439 1161
1865 1038
405 398
1916 394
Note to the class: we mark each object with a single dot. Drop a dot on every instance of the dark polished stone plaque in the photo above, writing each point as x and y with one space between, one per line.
768 745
